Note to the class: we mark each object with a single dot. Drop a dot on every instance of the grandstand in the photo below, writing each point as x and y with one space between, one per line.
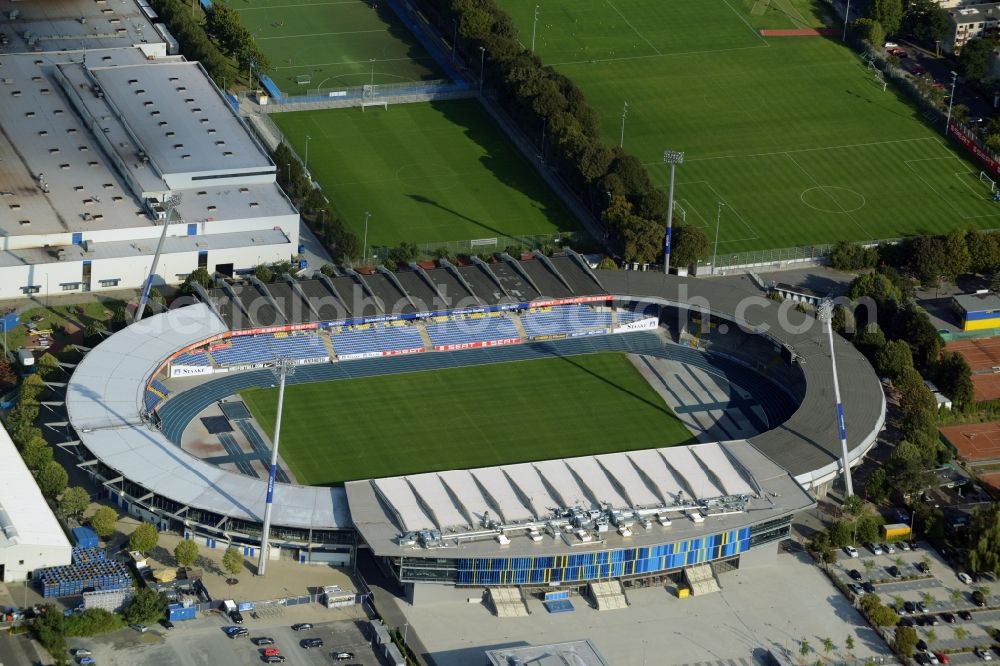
575 520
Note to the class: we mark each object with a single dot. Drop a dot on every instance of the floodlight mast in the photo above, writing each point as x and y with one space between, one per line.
825 315
282 369
673 158
170 203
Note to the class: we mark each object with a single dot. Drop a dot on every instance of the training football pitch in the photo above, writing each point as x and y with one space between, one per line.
466 417
315 44
792 134
428 172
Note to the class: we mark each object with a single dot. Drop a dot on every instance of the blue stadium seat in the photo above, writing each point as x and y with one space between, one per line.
372 338
464 330
565 319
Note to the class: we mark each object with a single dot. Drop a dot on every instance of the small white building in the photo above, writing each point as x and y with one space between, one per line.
30 536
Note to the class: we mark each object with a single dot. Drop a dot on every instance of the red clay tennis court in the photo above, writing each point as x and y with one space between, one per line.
975 441
982 353
992 480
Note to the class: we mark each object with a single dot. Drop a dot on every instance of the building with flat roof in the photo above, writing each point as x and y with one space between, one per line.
102 146
30 535
969 22
978 311
577 653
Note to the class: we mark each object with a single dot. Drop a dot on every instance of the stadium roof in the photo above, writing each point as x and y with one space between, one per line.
457 501
103 399
25 516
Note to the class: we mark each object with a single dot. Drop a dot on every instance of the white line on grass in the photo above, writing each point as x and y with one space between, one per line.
304 4
321 34
661 55
745 22
831 197
847 145
962 177
353 62
629 24
706 224
939 195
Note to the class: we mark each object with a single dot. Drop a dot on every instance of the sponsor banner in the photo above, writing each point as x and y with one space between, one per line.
275 329
190 370
240 367
353 357
570 301
401 352
584 334
554 336
312 361
640 325
479 344
971 144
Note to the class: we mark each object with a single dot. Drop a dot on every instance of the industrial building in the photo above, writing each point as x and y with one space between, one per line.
103 146
977 312
30 536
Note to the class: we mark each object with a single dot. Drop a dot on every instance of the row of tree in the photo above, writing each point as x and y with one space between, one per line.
543 101
194 43
924 20
222 23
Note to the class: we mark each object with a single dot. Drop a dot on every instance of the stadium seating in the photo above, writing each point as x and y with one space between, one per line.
565 319
372 338
463 330
193 358
259 348
626 316
155 393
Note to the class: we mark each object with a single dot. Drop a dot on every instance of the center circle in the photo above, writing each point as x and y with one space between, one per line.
833 199
438 175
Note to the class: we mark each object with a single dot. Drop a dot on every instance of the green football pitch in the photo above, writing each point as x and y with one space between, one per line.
334 44
792 134
428 172
466 417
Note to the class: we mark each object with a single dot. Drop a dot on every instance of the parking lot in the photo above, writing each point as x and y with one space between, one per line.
932 601
203 641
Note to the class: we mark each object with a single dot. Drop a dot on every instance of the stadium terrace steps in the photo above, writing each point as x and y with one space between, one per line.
701 579
508 602
608 595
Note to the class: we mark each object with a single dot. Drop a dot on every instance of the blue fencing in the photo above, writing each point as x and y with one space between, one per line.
272 89
387 92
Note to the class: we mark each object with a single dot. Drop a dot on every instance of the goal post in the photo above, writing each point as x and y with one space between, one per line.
369 97
680 212
985 179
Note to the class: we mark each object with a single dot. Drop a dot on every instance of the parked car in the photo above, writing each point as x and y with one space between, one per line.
301 626
141 628
931 657
965 578
921 658
855 588
921 607
921 621
80 652
979 598
271 651
943 657
913 545
275 659
965 615
855 574
948 617
891 45
851 551
906 622
922 645
312 643
889 548
868 587
921 567
919 70
236 616
263 640
910 607
984 654
342 656
932 620
893 571
903 546
875 548
167 624
86 661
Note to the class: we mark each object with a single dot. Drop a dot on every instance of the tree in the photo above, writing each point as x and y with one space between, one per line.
961 633
889 13
199 276
869 30
104 521
74 502
804 647
931 637
147 606
957 250
906 640
144 538
607 264
94 328
876 487
984 541
926 20
46 364
854 505
36 454
849 644
876 286
841 534
404 254
828 647
929 260
186 553
52 479
232 561
869 528
689 245
894 359
953 377
974 60
264 273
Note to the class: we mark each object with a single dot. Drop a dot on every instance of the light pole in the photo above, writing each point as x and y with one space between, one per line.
534 30
847 18
673 158
306 164
365 242
250 79
482 67
718 223
825 315
170 203
282 369
951 101
621 141
373 76
454 38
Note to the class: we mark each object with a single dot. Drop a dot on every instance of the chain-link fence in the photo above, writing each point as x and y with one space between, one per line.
485 246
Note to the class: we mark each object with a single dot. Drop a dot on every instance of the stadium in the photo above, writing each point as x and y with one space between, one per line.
166 420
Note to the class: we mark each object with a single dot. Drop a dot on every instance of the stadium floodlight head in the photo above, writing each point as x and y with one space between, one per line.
673 158
283 368
171 202
824 312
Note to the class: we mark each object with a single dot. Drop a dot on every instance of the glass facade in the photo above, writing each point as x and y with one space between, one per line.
578 568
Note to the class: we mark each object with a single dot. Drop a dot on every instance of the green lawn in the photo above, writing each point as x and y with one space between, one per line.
334 44
791 133
428 173
466 417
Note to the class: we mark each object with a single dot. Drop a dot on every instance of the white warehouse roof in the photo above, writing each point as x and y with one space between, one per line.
25 517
